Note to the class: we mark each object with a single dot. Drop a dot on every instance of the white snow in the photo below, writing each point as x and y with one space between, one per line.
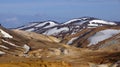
84 18
93 25
80 21
41 24
4 46
74 32
55 30
6 35
10 43
1 52
71 41
26 47
96 23
29 25
102 35
32 29
102 22
51 24
73 20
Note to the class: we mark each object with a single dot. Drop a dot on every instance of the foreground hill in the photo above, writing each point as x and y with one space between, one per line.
19 42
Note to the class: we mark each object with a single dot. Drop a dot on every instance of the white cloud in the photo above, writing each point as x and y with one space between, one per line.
13 19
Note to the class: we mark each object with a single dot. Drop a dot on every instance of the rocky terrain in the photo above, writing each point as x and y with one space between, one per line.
82 42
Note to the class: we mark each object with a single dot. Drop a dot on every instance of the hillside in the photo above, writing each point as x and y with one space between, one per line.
95 38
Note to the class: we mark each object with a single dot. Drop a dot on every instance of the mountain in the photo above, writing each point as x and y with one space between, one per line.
68 28
99 47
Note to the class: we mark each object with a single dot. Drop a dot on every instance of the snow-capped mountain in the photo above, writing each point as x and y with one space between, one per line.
70 27
38 25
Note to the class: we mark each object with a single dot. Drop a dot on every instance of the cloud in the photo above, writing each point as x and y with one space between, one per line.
13 19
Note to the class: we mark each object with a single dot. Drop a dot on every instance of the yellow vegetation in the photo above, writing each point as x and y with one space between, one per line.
35 64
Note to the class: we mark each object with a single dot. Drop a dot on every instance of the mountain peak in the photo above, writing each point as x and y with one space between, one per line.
81 20
87 17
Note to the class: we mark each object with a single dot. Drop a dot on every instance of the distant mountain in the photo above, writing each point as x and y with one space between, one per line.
70 27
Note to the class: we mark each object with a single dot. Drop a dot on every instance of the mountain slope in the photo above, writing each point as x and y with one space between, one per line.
19 43
11 43
97 38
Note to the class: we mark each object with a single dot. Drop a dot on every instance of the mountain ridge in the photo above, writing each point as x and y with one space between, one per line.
66 28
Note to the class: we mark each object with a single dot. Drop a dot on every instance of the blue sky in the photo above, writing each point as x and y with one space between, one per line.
15 13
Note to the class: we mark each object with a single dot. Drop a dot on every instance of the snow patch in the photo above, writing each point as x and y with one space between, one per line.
41 24
10 43
101 22
73 39
1 52
6 35
93 25
71 21
51 24
32 29
32 24
55 30
4 47
102 35
26 47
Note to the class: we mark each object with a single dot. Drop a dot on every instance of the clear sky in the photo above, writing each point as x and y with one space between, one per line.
15 13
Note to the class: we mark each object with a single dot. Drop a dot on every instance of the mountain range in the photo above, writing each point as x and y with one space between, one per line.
68 28
80 42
